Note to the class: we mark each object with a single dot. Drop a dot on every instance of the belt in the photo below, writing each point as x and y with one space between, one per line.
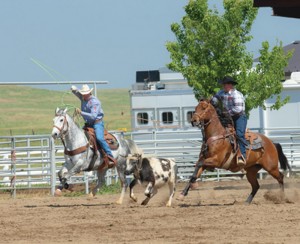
236 116
95 122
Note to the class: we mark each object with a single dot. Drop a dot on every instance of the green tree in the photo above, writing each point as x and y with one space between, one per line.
210 45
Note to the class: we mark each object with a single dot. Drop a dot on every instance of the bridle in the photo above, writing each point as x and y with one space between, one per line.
60 129
201 123
63 133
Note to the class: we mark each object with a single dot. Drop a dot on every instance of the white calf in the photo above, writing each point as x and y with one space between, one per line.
154 171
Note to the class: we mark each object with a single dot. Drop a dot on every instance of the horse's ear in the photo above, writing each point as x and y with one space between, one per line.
56 111
65 111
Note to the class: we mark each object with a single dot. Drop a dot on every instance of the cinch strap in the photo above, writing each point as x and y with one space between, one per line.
77 150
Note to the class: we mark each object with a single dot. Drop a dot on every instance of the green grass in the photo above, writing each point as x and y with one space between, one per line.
27 110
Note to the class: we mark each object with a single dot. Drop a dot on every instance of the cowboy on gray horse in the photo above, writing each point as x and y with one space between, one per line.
93 114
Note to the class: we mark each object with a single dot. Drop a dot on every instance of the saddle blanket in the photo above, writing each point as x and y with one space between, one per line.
254 141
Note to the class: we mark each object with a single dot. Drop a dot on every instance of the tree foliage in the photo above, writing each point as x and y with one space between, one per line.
210 45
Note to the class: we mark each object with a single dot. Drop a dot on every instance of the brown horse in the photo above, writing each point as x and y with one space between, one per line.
218 150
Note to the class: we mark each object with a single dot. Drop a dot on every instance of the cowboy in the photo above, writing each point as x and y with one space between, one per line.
234 102
93 114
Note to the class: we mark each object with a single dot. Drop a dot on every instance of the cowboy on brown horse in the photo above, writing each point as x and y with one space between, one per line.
234 103
218 151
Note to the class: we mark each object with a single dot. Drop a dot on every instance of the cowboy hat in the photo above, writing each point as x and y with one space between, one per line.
85 90
227 80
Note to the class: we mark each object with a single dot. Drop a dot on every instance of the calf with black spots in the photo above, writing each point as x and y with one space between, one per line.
156 172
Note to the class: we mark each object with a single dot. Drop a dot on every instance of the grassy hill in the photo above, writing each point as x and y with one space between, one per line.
27 110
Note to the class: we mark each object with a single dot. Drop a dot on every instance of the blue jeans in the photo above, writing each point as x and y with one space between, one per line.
240 125
99 132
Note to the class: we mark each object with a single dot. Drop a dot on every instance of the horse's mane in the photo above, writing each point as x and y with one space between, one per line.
222 113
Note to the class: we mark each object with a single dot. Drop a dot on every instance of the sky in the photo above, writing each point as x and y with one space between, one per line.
103 40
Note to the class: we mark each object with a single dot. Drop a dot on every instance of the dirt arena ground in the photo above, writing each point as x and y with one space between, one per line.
213 213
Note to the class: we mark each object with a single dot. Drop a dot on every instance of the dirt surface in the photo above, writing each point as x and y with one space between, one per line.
213 213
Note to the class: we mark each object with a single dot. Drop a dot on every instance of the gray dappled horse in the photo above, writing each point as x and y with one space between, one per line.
79 156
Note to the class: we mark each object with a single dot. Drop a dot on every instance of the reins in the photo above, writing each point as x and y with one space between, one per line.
203 125
63 134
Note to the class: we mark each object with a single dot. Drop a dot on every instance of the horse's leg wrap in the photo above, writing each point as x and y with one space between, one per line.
197 168
64 183
193 179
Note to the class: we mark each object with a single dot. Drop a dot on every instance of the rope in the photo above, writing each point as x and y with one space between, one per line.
50 72
76 118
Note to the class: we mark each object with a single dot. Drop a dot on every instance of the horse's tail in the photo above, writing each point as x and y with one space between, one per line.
284 164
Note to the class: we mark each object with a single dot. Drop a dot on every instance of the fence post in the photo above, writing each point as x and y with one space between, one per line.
28 164
86 181
13 171
52 166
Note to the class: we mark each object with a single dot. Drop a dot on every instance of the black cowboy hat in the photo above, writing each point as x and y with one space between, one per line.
226 80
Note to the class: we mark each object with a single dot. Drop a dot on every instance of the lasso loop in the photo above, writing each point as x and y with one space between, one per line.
76 117
50 71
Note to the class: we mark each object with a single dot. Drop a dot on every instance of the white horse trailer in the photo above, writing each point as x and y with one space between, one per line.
165 104
162 104
168 103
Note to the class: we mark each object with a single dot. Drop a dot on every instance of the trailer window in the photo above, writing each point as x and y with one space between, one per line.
189 115
142 118
167 117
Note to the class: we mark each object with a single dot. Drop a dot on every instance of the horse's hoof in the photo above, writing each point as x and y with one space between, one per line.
144 203
57 193
180 197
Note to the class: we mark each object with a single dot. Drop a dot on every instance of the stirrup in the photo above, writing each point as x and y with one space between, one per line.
241 161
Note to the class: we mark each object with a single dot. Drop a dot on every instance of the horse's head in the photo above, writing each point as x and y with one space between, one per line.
203 113
132 163
60 123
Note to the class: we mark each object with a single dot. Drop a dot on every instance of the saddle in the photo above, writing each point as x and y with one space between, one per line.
111 141
254 142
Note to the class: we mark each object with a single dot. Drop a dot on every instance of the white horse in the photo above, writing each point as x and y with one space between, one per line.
79 156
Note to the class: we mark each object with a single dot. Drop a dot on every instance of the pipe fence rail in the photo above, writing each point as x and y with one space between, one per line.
32 161
184 147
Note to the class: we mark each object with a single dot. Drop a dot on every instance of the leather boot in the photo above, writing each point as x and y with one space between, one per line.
112 162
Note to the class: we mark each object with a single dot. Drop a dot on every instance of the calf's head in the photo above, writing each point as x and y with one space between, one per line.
132 163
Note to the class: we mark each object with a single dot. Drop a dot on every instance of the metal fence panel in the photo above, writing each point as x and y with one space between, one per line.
32 161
